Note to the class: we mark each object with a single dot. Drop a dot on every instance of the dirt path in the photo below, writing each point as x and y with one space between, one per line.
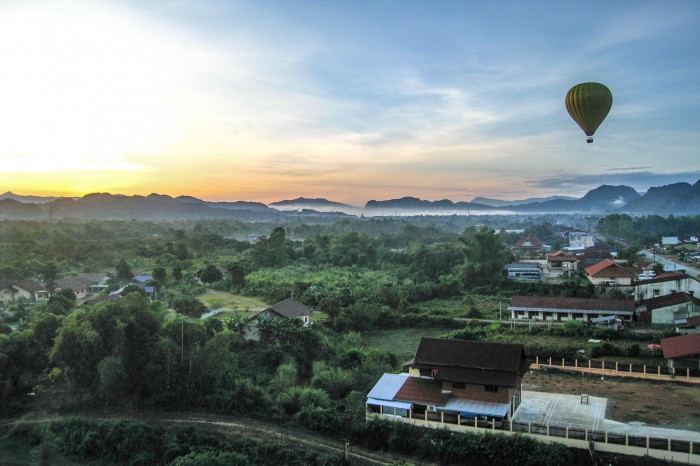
237 426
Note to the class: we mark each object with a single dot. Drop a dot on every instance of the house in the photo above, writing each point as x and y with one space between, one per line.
529 246
287 309
562 261
610 273
682 352
688 325
82 285
528 270
579 240
27 289
664 284
670 240
666 309
558 308
458 379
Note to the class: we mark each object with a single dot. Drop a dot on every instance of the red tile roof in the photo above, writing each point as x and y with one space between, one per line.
560 255
421 390
679 347
608 268
586 304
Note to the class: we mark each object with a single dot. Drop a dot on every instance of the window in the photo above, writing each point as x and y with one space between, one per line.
657 292
458 385
491 388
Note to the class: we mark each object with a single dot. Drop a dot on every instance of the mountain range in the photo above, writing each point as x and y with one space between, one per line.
677 198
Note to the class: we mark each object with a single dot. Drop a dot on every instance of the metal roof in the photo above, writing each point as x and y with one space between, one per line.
387 387
476 408
389 404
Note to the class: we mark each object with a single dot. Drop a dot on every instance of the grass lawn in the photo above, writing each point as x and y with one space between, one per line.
401 341
488 306
244 305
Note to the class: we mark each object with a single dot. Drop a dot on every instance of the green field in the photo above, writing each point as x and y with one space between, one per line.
244 305
402 341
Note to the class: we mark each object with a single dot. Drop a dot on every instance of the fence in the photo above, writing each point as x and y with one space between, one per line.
664 448
616 369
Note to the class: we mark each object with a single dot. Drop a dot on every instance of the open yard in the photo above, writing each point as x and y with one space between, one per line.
403 342
244 305
674 405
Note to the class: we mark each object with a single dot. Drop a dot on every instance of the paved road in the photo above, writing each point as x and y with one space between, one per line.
666 262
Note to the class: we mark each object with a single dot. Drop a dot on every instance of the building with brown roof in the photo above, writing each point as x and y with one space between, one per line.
664 284
287 309
559 309
665 309
682 352
688 325
27 289
562 261
530 247
458 378
607 272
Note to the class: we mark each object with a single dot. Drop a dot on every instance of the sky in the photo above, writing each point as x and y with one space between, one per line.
349 100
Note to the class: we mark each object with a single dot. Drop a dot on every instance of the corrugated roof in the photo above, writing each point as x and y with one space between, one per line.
560 255
680 347
584 304
387 386
476 408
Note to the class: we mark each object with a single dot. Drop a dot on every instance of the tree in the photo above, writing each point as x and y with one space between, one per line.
61 301
160 275
124 273
211 274
236 275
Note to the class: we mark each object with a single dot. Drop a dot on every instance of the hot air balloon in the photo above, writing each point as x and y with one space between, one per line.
588 104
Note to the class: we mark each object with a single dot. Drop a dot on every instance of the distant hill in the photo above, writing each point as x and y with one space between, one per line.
27 199
676 198
500 203
414 206
317 204
602 199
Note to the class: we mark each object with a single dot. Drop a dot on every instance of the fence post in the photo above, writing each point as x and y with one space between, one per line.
687 375
475 422
493 424
576 363
669 444
426 415
589 363
562 362
567 431
547 430
459 419
442 417
606 436
586 435
658 372
645 372
647 442
537 360
511 429
630 368
616 366
550 361
603 364
627 440
529 427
